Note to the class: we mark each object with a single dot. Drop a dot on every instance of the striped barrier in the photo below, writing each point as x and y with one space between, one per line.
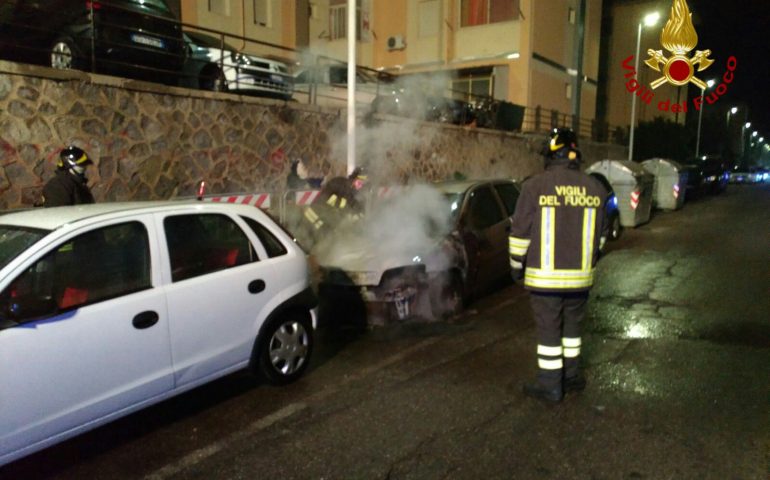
635 199
259 200
306 197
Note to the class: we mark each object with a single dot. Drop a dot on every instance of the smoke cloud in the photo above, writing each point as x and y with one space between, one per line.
399 231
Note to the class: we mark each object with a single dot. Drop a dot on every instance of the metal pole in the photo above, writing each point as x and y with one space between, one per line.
700 120
579 37
633 97
351 85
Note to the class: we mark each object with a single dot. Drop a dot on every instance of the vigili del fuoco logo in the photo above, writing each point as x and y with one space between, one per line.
679 38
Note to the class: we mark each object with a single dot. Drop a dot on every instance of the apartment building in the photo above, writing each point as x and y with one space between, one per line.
528 52
275 22
522 51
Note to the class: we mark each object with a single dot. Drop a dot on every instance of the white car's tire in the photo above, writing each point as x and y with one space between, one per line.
284 348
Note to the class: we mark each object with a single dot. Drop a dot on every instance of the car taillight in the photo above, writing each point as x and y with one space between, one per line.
93 5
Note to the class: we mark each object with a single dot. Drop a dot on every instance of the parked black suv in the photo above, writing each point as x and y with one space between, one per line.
134 38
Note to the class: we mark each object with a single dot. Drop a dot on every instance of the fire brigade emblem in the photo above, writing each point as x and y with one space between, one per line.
679 38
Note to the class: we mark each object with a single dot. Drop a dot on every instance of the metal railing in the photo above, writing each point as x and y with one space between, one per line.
541 120
108 31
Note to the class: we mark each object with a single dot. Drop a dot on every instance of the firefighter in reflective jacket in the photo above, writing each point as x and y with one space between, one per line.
337 202
555 239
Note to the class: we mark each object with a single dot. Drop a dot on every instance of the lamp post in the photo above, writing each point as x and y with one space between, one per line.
649 20
745 126
709 84
729 142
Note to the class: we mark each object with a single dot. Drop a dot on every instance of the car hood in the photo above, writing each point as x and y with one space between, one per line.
414 229
359 255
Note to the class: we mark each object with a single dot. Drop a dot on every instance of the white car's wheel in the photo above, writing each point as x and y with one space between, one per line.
284 348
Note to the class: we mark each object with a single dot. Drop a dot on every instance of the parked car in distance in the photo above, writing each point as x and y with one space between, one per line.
706 175
134 38
436 279
108 308
748 175
327 85
215 65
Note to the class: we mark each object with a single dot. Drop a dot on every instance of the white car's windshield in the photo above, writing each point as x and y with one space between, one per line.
14 240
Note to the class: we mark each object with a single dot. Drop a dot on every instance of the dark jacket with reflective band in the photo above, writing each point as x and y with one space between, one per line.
556 230
339 193
66 189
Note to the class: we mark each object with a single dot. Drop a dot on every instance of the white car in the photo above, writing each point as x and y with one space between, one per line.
327 85
212 64
108 308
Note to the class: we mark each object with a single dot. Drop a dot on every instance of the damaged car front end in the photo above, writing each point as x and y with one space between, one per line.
426 285
424 254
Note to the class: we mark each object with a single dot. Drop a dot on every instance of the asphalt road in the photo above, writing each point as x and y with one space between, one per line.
677 356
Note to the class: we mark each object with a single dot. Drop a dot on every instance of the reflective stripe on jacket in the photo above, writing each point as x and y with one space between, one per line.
556 230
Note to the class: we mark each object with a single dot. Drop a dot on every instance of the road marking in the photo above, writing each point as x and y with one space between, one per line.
208 451
201 454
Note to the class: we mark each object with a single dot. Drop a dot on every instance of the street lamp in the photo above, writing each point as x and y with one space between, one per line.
649 20
745 127
709 84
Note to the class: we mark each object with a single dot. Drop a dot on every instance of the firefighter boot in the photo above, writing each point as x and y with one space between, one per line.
576 383
542 392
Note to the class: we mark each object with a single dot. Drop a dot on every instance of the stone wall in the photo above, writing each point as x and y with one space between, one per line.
155 142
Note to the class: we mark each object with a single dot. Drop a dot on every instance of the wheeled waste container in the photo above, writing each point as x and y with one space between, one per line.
632 185
670 183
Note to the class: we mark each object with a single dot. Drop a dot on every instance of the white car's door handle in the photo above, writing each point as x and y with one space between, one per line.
256 286
145 320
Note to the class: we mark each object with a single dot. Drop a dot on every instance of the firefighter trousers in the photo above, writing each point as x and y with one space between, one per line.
557 320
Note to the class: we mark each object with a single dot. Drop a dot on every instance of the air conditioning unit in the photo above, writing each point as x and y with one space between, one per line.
396 42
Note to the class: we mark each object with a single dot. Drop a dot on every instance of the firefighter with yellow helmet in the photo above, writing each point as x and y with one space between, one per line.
555 238
337 202
69 186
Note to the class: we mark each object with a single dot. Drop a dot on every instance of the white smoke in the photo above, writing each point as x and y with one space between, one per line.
404 230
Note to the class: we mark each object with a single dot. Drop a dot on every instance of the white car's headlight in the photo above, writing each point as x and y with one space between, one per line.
365 278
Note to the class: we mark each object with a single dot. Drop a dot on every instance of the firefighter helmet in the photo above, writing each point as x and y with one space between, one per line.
562 145
75 159
358 177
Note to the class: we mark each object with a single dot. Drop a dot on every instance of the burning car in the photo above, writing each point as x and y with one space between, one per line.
426 252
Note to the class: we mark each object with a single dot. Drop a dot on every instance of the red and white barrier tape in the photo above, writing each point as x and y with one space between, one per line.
306 197
259 200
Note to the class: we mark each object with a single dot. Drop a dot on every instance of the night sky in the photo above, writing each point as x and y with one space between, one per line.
740 28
